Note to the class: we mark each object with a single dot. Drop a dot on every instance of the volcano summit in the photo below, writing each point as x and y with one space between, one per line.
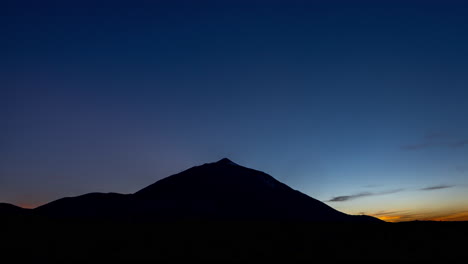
221 190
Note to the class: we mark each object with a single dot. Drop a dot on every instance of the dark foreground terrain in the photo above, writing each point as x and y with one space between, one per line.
218 211
40 240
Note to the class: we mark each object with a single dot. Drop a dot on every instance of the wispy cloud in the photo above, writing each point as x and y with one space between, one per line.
344 198
456 216
409 215
381 213
398 216
349 197
436 187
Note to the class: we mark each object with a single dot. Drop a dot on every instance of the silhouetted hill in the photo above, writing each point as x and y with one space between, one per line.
91 205
228 191
211 192
11 210
221 190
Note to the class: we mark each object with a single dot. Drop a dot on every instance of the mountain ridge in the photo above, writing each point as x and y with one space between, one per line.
221 190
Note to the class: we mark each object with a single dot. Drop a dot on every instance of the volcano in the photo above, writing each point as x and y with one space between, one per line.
221 190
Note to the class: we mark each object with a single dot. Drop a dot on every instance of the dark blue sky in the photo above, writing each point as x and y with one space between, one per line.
366 101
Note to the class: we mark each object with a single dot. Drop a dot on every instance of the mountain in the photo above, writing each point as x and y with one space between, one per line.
88 206
11 210
221 190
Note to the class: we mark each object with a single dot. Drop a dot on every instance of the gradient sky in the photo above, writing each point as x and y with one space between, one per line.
361 105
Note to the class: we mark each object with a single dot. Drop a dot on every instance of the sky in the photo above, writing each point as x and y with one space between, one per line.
359 104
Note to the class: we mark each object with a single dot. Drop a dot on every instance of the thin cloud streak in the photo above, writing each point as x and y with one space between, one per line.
406 215
399 216
457 216
383 213
349 197
436 187
344 198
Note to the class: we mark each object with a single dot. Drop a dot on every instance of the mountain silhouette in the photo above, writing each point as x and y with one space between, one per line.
7 209
221 190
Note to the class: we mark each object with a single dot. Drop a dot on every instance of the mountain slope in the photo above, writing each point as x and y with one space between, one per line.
221 190
226 190
91 205
11 210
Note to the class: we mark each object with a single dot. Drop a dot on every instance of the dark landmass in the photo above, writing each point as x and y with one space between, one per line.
39 240
218 191
221 212
10 210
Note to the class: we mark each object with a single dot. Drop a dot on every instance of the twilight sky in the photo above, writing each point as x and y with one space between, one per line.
361 105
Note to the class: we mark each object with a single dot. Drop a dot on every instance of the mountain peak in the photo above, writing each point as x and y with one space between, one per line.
226 161
219 190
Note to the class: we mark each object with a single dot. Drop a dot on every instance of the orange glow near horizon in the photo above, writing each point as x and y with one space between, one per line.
458 216
462 216
27 205
388 216
394 218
